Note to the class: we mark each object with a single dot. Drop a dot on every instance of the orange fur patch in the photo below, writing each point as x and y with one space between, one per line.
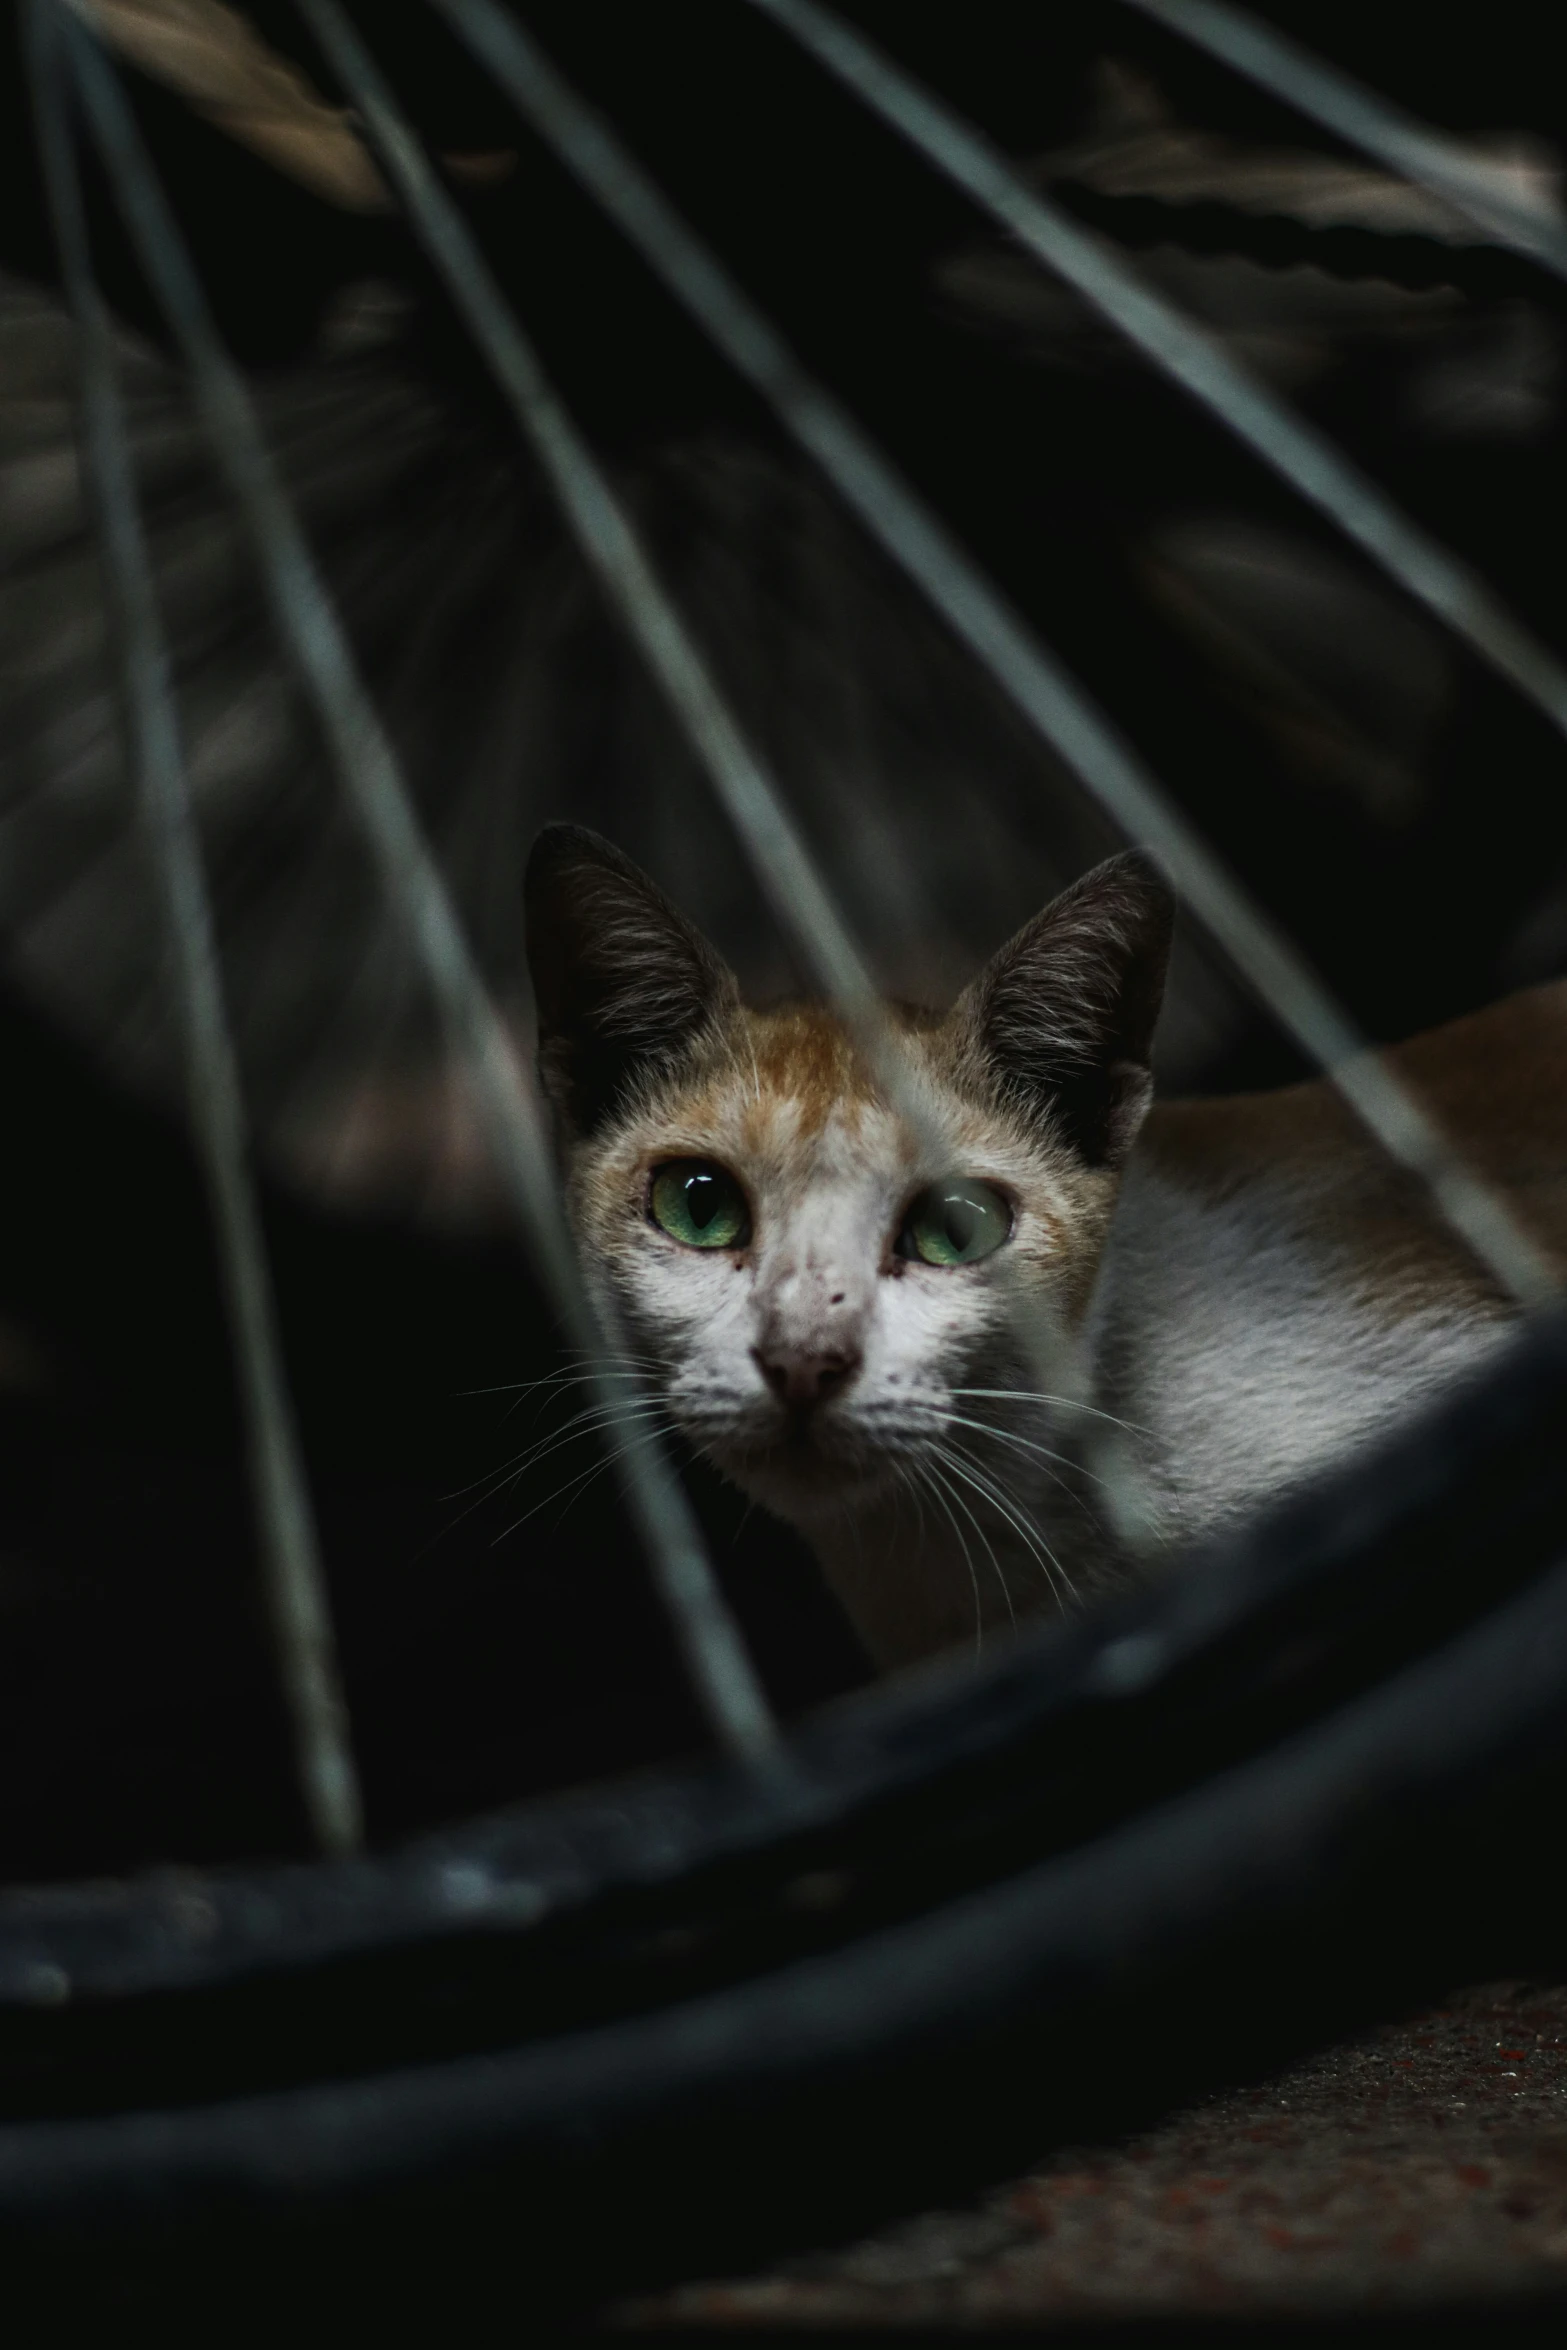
802 1055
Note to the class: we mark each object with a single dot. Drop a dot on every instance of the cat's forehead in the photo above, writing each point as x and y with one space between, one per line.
787 1088
790 1092
801 1056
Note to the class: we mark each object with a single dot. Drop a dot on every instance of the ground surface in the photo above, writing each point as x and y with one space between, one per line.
1423 2165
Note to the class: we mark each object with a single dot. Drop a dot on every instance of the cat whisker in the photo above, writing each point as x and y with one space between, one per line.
936 1486
974 1473
632 1368
900 1487
1009 1436
1070 1403
623 1366
1061 1585
579 1484
496 1481
583 1424
637 1373
576 1486
1026 1444
745 1520
565 1382
907 1479
990 1551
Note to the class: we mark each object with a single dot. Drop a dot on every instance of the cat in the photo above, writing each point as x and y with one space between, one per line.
825 1299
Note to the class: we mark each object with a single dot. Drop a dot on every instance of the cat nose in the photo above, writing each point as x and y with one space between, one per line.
805 1376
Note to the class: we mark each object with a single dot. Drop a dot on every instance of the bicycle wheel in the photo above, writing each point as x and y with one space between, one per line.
904 1937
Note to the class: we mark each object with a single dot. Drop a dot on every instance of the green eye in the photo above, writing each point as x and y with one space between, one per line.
955 1223
700 1204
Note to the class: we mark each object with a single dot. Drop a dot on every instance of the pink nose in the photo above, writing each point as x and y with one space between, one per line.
803 1378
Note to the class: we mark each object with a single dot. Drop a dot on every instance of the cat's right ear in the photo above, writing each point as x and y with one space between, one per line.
626 987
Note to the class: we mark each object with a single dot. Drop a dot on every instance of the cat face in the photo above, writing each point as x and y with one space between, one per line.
823 1288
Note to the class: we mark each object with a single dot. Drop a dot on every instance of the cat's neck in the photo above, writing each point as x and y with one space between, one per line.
948 1564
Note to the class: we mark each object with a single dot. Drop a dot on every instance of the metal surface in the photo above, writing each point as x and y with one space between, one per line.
296 1588
1358 116
513 1123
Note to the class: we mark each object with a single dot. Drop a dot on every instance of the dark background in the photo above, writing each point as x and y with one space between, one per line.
1398 810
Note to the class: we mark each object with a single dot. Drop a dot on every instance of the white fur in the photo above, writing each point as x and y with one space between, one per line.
1247 1349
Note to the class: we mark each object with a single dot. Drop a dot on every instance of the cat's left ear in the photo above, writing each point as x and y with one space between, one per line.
1060 1023
627 989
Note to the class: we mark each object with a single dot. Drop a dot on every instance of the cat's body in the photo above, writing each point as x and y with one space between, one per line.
1274 1292
833 1302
